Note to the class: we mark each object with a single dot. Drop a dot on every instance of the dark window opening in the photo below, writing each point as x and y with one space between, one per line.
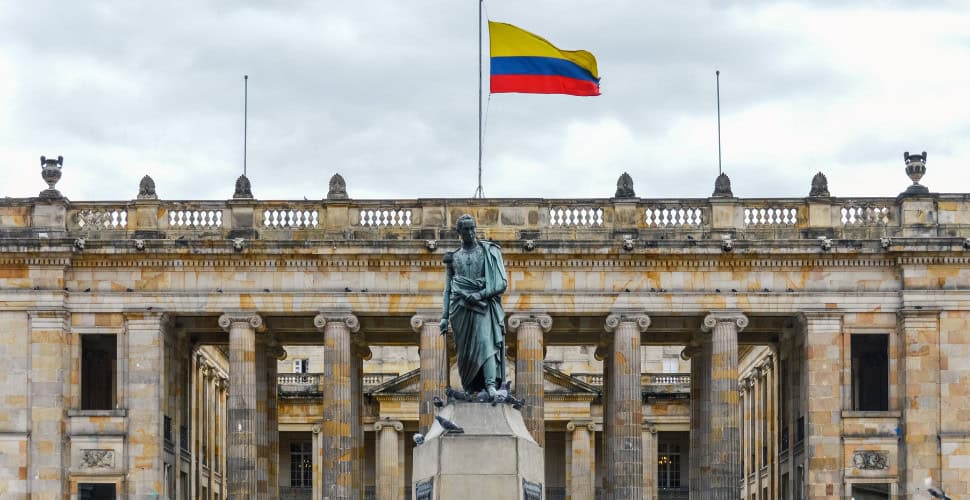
784 487
668 465
96 491
99 361
800 430
870 372
301 464
870 491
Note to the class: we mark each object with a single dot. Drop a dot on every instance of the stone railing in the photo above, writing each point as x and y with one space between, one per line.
299 385
938 215
646 379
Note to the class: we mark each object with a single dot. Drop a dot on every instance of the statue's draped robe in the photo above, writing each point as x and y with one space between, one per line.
480 331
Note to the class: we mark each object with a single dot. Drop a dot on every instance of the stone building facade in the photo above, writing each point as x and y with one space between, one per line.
258 349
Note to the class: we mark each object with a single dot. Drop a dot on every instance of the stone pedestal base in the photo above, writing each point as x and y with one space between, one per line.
495 458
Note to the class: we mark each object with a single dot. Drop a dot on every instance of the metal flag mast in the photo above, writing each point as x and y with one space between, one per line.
717 79
479 193
245 118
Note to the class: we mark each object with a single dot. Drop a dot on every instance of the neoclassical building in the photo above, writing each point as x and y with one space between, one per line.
717 347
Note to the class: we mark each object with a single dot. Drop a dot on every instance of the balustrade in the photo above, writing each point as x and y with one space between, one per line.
770 216
575 216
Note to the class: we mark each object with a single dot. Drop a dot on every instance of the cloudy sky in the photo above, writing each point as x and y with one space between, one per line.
384 92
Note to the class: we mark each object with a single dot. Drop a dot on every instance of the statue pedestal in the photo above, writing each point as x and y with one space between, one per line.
494 459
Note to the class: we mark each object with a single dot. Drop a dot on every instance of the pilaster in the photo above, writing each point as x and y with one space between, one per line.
823 404
243 445
46 453
624 445
338 404
434 364
390 472
920 451
146 401
723 425
529 329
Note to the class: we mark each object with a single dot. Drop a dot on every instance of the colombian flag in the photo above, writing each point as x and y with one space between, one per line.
527 63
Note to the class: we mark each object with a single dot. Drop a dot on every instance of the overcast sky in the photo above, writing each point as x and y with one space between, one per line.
384 92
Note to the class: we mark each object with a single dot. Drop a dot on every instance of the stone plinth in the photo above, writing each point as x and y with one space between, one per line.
491 459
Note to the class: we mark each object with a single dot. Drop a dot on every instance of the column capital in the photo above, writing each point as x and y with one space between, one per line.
640 318
276 352
690 352
345 317
649 427
316 429
737 318
421 318
542 319
361 350
768 363
252 319
390 424
579 424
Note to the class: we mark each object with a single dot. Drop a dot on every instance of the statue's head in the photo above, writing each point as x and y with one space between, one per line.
466 228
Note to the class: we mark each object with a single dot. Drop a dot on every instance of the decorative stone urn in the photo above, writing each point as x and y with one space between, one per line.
50 171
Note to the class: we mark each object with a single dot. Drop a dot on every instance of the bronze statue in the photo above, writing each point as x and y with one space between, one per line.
474 282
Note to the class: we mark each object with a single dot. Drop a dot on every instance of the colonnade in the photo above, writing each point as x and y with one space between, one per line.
253 438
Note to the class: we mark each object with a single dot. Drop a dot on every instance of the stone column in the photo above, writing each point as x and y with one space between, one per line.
317 438
146 396
262 439
46 470
624 447
338 404
434 365
529 328
823 423
582 456
242 457
274 354
724 435
359 352
699 377
390 472
649 434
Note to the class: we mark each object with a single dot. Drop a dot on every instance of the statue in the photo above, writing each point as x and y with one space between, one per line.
474 282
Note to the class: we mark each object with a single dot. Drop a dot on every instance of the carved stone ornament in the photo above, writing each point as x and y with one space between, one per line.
146 189
915 169
338 188
740 321
613 321
624 187
870 460
820 186
97 459
50 171
722 187
347 319
418 321
244 189
544 321
254 320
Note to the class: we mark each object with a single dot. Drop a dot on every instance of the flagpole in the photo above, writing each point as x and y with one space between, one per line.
717 77
245 118
479 193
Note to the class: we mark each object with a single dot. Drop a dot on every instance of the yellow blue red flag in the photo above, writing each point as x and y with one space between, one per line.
527 63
